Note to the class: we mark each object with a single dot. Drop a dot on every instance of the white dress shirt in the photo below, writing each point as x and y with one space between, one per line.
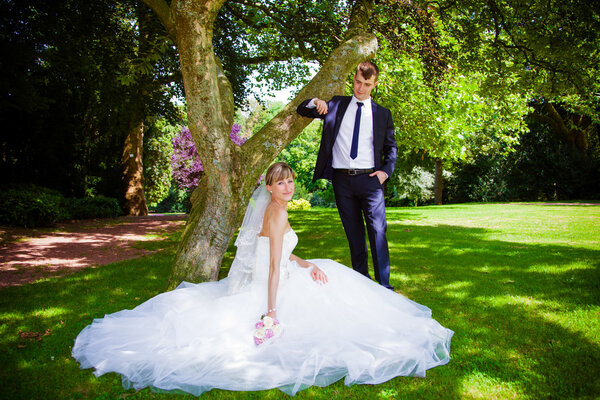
365 158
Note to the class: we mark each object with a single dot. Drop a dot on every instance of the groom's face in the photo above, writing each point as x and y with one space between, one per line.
362 87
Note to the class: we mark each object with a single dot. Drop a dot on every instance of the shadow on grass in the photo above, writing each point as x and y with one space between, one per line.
519 311
515 307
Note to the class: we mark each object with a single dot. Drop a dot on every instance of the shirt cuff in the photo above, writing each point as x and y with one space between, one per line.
311 103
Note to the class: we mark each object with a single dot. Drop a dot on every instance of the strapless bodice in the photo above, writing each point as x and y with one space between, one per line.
261 271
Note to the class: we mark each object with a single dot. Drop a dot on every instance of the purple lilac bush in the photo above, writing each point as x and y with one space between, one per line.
185 161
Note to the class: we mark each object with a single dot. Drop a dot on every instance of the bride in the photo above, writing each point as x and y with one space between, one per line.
335 322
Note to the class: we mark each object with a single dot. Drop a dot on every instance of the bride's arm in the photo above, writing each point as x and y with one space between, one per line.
315 272
277 226
301 262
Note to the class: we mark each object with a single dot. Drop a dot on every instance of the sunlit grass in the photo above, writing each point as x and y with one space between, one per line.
519 284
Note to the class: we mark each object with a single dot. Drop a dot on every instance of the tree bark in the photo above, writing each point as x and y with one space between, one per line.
230 171
134 201
439 181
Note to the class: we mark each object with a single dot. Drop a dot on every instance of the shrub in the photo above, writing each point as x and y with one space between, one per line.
34 206
411 188
399 202
323 198
93 207
178 200
300 204
185 161
31 206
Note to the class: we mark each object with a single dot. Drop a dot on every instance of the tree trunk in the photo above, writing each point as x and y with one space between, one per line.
439 181
574 128
231 171
134 201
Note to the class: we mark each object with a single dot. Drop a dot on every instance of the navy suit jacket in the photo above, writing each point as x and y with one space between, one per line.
384 141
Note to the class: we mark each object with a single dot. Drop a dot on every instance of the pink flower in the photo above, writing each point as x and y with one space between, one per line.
267 330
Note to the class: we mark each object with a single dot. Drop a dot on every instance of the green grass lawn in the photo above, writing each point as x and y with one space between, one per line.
519 285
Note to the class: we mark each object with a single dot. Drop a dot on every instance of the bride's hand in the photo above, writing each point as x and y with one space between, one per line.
318 275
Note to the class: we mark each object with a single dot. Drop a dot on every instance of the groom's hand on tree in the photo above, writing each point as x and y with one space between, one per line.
321 106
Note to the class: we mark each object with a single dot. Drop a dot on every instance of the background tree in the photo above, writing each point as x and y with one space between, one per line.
553 48
448 122
158 135
93 72
149 78
544 166
53 118
547 49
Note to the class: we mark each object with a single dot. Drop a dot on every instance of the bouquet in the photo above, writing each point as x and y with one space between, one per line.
267 329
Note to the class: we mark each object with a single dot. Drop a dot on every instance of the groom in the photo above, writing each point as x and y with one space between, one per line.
358 153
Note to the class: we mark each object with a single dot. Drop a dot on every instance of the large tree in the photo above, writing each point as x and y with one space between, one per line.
483 36
230 171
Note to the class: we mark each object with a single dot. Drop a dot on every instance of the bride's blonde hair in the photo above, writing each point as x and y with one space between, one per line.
278 172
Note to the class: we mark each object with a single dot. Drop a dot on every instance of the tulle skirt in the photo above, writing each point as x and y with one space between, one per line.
199 337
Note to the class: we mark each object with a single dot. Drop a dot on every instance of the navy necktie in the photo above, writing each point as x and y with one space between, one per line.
354 147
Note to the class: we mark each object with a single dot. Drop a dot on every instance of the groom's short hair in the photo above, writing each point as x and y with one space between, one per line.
368 69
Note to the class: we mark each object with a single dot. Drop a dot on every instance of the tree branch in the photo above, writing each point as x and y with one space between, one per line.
301 38
557 121
269 58
329 81
359 18
163 11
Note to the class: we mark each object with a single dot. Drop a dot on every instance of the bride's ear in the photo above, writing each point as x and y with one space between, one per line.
269 188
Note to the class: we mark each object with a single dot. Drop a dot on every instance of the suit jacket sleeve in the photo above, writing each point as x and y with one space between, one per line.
308 112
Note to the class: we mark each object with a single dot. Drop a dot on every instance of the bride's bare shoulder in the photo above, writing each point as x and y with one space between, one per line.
275 211
276 219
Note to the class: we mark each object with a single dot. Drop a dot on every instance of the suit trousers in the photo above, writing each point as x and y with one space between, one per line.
357 197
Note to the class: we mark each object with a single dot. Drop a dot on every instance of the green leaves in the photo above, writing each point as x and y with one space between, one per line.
275 39
552 47
447 120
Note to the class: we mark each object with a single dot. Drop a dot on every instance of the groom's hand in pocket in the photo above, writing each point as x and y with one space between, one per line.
382 176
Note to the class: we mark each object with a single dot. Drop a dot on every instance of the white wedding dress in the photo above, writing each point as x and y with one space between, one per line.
200 336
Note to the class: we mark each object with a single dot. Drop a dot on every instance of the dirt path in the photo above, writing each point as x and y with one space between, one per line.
30 254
